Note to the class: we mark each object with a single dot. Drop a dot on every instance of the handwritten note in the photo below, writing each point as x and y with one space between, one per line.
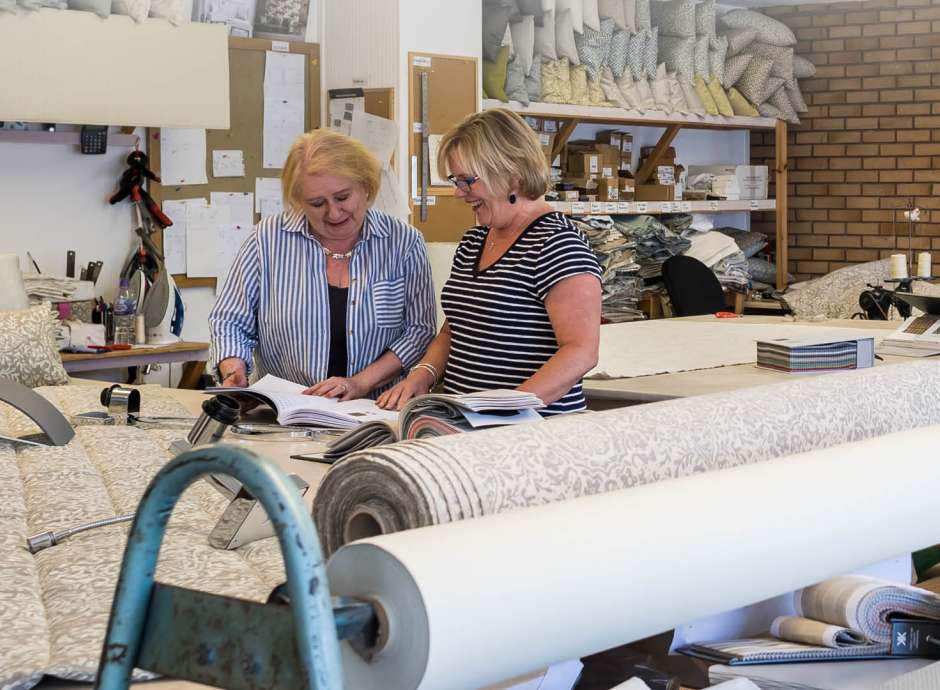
174 237
228 164
182 156
283 105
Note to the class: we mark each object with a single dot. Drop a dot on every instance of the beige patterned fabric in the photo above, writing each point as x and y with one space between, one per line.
54 605
28 352
419 483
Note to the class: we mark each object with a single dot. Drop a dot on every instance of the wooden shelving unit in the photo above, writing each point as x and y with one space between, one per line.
570 116
654 208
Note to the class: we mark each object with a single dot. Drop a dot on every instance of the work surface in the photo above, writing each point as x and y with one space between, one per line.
612 392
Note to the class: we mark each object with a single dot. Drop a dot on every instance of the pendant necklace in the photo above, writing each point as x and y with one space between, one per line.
339 256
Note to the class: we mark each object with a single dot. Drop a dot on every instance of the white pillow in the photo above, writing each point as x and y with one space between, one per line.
577 12
769 30
623 13
545 38
591 17
565 47
523 40
173 11
548 5
135 9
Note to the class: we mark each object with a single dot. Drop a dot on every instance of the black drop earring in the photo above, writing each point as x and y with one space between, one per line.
512 198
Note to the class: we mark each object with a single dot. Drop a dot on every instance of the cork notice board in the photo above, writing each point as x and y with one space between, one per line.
246 88
452 95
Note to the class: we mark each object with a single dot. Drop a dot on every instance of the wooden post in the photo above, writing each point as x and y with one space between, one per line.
650 165
561 138
780 173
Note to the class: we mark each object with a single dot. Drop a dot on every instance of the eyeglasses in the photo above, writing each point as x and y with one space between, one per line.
462 183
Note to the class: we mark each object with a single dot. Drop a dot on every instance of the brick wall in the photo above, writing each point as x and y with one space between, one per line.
871 139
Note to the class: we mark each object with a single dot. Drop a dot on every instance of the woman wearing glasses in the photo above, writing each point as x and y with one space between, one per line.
330 293
523 301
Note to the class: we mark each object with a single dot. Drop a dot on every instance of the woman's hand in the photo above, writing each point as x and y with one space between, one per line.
418 382
234 372
339 387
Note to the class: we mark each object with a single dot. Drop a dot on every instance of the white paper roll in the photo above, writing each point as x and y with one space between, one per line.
12 292
898 266
473 602
924 265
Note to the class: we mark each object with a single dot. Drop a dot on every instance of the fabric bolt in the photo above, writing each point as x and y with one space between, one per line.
644 20
576 9
636 55
565 46
732 272
556 81
740 105
420 483
803 68
717 52
678 53
739 39
487 352
533 82
720 97
705 24
692 100
651 53
494 75
734 68
617 56
674 17
623 12
274 307
711 247
523 40
516 82
796 96
594 46
708 100
545 38
702 63
619 281
591 16
28 352
579 85
753 83
495 23
769 30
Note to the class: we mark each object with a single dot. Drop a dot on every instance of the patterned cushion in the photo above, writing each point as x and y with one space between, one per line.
565 46
701 59
576 7
660 88
138 10
495 22
677 103
645 93
556 81
617 55
769 30
591 17
781 101
623 12
174 11
579 86
28 353
596 93
750 242
768 110
515 82
740 105
494 75
717 51
782 57
651 52
674 17
678 54
705 18
628 89
533 7
739 39
636 55
611 91
545 37
771 87
796 96
753 82
720 97
533 81
701 88
523 41
594 45
734 68
692 100
643 20
803 68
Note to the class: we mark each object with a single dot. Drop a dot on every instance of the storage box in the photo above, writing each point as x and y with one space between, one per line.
733 182
549 126
669 155
607 189
534 122
623 141
547 141
569 195
626 188
583 164
655 192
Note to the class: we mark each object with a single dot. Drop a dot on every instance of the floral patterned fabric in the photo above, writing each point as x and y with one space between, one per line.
54 605
427 482
28 352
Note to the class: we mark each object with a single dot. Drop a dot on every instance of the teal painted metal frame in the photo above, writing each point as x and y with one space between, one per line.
307 586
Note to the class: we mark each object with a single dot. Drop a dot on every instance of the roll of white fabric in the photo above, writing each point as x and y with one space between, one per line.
471 603
12 292
418 483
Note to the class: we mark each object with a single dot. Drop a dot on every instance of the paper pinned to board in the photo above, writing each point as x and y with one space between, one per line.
378 134
174 237
268 199
231 238
182 156
284 105
390 199
342 110
230 163
204 224
434 143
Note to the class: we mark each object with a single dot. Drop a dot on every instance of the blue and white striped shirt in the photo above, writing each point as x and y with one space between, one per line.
275 303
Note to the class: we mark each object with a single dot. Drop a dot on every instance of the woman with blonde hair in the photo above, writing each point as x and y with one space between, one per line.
330 293
523 301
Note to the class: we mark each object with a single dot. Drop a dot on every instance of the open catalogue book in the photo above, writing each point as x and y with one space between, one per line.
846 617
440 414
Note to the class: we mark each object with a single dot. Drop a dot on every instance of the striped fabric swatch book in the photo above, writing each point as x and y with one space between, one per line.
815 354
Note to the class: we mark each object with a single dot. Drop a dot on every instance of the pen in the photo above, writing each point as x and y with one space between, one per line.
34 262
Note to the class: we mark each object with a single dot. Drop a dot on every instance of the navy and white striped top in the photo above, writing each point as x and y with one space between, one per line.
275 304
500 331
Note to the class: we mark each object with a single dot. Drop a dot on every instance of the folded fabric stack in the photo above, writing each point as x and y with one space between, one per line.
620 283
654 244
48 288
721 254
732 272
663 55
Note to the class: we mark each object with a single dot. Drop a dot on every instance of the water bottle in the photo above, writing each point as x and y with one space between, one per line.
125 308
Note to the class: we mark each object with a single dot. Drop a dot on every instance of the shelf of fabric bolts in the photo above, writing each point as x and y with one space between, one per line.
606 208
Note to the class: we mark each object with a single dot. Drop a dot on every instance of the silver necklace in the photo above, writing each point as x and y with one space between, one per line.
339 256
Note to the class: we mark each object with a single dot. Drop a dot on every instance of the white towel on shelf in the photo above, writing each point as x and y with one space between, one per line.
711 247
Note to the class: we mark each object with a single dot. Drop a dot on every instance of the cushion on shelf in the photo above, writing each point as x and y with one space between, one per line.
700 57
530 7
701 88
494 75
617 55
623 12
782 57
10 6
590 15
764 271
174 11
768 110
674 17
771 86
612 92
660 88
753 82
628 89
28 352
750 242
636 54
579 86
548 5
734 68
721 98
523 40
545 37
803 68
717 52
37 4
593 46
556 81
645 94
533 81
740 105
138 10
796 96
100 7
769 30
739 39
565 46
781 101
678 53
705 18
495 22
677 102
515 82
596 93
643 20
692 101
651 52
576 7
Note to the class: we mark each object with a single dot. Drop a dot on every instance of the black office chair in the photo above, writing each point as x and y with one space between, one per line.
693 288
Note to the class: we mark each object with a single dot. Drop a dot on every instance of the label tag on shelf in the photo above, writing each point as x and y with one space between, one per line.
421 61
579 208
666 207
642 207
416 127
610 207
713 205
597 207
623 207
754 205
280 46
686 207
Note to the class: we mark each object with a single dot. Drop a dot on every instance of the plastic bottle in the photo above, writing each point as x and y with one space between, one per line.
125 308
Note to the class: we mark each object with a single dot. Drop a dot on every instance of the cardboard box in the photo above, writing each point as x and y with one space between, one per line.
655 192
583 164
607 189
668 155
626 188
546 141
534 122
549 126
582 184
616 138
732 182
569 195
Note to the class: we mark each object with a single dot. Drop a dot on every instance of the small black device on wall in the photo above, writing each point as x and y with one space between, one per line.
94 139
